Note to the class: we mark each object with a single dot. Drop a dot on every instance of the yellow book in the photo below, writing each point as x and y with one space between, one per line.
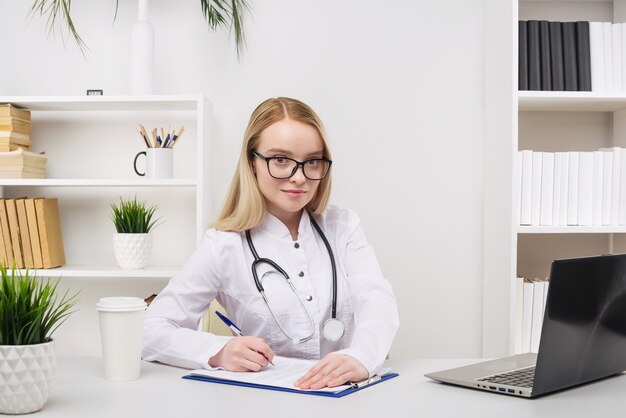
27 250
33 230
3 253
6 234
15 233
7 109
18 127
10 120
50 237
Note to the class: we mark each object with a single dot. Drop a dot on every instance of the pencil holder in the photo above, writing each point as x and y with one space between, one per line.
159 163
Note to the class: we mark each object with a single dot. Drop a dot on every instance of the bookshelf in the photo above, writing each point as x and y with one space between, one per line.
548 121
91 142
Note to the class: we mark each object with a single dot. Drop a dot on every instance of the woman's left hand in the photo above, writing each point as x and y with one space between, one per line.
333 370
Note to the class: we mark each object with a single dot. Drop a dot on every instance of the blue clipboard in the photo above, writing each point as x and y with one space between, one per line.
340 394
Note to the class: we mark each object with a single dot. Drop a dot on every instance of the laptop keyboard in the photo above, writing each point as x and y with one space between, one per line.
521 378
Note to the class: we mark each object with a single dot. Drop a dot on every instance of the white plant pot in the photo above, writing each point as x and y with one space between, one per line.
132 251
25 375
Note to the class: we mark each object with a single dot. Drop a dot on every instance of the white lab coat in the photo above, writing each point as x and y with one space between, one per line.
221 268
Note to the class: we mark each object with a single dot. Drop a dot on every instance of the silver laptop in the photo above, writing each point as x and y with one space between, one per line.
583 336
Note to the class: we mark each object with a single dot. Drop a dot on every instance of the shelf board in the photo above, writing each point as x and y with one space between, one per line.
620 229
105 103
571 101
106 271
100 182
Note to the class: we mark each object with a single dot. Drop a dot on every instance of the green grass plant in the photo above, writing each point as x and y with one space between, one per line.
133 217
30 310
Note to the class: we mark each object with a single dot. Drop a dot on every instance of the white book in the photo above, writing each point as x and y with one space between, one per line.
527 320
518 187
617 57
623 56
546 286
608 56
535 211
527 175
596 44
615 186
547 188
622 188
572 189
598 176
585 188
556 195
519 313
564 188
537 321
607 183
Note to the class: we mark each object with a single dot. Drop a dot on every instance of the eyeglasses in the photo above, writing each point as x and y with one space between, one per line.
284 167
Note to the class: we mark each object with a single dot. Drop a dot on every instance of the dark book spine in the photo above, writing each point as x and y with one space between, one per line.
583 51
556 56
534 54
570 61
544 57
523 56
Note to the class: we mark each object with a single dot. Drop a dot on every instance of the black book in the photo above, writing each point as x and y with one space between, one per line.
544 58
556 56
523 56
583 51
534 54
570 60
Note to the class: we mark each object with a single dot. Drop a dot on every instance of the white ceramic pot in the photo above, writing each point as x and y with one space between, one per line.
132 251
25 375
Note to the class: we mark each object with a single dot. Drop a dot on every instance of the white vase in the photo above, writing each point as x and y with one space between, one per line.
142 52
25 375
132 251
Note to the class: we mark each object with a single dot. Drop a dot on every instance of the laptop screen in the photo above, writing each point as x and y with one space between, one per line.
584 328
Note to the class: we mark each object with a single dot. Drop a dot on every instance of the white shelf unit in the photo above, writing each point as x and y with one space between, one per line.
91 142
546 121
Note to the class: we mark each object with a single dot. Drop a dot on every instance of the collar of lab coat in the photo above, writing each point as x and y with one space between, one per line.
274 226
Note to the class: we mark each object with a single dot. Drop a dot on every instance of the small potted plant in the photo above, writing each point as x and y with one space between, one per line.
132 244
30 312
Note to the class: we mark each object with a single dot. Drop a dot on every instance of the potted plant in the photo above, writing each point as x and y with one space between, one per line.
132 244
30 312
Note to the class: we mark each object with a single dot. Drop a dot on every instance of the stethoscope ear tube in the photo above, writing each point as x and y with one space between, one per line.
332 265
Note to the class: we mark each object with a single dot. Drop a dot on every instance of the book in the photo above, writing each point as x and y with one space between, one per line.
523 56
608 55
526 198
556 195
534 55
6 233
49 225
585 188
572 192
535 200
14 227
537 315
583 56
570 59
598 186
33 230
27 251
519 313
547 188
4 259
22 164
282 377
544 55
607 187
556 56
564 188
16 126
596 51
527 315
617 56
7 109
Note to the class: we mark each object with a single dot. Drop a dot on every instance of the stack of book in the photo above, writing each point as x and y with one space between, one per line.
530 309
20 164
15 128
30 232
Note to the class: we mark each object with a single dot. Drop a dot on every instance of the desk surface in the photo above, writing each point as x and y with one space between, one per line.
79 390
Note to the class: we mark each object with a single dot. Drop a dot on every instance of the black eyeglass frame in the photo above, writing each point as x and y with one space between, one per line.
298 165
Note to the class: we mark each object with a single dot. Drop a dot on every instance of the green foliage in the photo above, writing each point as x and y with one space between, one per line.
30 311
133 217
218 14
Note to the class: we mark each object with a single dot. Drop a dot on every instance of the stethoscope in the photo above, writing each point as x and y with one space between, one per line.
333 329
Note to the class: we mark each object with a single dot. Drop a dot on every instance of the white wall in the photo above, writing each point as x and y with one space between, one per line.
399 85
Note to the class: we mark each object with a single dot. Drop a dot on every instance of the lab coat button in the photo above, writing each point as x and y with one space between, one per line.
296 245
301 274
309 298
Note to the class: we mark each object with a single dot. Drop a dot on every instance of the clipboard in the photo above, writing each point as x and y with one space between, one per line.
339 394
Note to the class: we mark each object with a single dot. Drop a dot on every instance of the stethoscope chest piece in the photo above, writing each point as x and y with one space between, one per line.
333 329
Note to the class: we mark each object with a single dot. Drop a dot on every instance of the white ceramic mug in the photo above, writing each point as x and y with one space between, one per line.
159 163
121 332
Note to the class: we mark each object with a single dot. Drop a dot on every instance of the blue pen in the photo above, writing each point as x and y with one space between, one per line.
234 328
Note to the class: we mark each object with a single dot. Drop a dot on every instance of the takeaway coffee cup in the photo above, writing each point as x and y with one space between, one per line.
121 331
159 163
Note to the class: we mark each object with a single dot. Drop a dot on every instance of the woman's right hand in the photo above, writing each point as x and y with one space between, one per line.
243 354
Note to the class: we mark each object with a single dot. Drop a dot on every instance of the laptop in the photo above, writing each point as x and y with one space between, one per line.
583 337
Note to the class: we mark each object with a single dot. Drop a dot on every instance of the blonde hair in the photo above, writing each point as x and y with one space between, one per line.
244 207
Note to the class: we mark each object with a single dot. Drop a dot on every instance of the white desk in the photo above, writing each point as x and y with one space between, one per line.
79 391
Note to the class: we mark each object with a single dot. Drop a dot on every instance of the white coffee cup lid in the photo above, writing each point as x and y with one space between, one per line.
121 304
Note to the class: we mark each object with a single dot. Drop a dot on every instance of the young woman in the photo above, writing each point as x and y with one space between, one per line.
297 277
